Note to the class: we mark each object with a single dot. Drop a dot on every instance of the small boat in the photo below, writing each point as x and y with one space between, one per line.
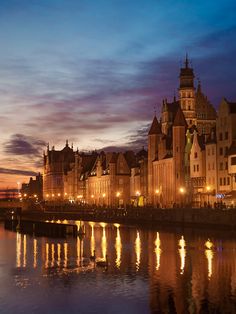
93 257
102 262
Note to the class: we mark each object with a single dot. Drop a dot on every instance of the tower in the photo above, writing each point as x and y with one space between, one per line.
179 131
154 137
187 93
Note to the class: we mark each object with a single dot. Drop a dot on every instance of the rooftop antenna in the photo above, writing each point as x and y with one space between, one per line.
186 61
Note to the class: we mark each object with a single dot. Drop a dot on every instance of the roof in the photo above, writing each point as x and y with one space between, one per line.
179 118
155 127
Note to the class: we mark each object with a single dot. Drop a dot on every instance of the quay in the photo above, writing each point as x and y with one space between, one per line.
189 217
41 228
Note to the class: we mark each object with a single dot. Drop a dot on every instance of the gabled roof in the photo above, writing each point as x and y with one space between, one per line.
179 118
155 127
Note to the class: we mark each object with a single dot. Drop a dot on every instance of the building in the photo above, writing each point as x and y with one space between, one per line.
191 159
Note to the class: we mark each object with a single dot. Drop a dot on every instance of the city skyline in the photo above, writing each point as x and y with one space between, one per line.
74 69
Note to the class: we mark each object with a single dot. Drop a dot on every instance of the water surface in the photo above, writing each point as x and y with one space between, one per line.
149 271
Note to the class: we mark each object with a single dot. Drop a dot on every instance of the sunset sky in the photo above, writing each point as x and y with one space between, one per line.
91 71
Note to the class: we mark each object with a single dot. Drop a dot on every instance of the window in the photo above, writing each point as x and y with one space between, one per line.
228 181
194 169
224 181
197 167
226 135
221 166
213 166
233 161
220 181
220 136
226 151
221 151
226 165
195 155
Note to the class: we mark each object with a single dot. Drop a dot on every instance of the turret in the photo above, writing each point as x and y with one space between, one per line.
154 137
187 93
179 131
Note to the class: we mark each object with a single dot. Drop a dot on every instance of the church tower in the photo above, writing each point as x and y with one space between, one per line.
154 137
179 131
187 93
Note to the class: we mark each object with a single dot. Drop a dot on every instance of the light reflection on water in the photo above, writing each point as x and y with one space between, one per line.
149 271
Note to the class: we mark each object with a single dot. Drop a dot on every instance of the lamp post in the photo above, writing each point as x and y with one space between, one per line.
157 192
118 199
208 188
182 192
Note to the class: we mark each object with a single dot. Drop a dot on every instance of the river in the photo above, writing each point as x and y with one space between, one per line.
149 271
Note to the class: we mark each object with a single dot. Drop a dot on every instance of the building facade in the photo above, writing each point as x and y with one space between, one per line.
191 159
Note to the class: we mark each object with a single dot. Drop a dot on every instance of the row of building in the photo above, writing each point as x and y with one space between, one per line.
190 158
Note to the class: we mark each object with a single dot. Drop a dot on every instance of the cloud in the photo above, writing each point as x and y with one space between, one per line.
20 144
17 172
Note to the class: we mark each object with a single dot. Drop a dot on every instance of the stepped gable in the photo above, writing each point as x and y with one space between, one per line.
155 127
180 119
204 109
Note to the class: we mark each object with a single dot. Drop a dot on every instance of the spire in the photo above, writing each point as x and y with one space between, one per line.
186 61
155 127
179 118
199 87
67 143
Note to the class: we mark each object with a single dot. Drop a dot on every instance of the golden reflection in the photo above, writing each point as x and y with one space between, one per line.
209 255
79 251
35 253
53 254
58 254
92 240
24 251
118 246
104 240
158 250
65 255
46 255
18 249
138 250
182 253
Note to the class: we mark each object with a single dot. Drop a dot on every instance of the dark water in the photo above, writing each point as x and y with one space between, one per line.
148 272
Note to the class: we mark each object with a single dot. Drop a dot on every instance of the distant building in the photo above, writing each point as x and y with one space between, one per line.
33 189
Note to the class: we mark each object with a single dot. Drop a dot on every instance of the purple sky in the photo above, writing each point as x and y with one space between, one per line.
92 71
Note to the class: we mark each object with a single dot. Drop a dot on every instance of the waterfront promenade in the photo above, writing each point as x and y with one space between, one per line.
199 217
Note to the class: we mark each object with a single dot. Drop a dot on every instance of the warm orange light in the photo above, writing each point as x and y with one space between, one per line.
103 195
137 193
117 194
58 194
182 190
92 196
157 191
35 195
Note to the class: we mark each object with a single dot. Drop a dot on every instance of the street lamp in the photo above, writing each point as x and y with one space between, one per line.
208 188
118 200
182 192
157 192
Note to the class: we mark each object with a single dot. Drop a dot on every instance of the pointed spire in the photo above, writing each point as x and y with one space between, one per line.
179 118
155 127
67 143
199 87
186 61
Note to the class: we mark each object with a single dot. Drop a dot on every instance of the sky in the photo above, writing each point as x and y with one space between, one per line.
92 71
